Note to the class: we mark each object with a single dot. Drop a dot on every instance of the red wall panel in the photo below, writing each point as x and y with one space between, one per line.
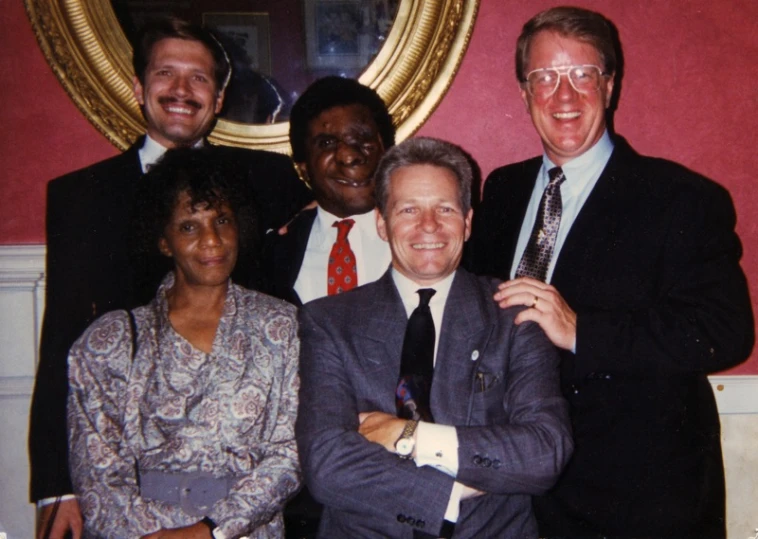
688 95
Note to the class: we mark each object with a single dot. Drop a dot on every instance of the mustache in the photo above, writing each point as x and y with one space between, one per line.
167 99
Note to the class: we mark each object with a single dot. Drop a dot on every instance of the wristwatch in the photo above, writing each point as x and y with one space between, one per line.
405 444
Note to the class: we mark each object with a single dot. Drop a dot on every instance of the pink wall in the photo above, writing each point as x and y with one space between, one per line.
688 95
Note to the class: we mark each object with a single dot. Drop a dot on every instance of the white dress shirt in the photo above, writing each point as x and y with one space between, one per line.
372 253
581 174
152 151
436 445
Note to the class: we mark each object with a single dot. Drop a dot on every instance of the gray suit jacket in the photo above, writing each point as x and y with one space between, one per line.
495 381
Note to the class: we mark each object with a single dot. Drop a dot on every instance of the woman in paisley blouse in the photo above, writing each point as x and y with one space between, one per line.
185 429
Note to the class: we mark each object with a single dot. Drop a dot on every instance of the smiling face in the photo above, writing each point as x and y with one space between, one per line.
343 147
424 223
568 122
202 241
179 97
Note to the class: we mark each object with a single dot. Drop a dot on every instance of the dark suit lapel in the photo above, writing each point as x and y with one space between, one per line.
466 332
583 255
379 334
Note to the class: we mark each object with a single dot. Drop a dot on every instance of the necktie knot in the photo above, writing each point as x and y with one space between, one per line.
425 296
342 272
343 228
556 176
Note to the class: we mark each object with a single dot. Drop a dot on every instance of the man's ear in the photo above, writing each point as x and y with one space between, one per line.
302 171
219 102
467 221
524 97
609 89
139 93
381 225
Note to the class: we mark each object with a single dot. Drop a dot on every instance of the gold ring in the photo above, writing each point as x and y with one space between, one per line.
534 303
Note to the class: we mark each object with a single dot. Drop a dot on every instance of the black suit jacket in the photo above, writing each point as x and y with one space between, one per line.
283 257
651 267
495 381
89 273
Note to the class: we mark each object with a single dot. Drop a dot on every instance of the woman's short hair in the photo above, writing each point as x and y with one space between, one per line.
210 182
424 151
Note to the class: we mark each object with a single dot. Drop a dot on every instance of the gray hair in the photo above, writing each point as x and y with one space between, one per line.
424 151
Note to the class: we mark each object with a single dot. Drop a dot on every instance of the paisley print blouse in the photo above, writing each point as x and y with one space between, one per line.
173 408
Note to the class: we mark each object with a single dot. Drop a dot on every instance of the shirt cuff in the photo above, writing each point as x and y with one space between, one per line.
52 499
437 446
454 503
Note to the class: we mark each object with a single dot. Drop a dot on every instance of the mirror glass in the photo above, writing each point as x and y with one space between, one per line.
277 47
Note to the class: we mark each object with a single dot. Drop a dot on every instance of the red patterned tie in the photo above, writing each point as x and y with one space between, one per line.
539 248
342 274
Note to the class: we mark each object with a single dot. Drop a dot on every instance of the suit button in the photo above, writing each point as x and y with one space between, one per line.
420 523
486 462
477 460
401 519
496 464
411 521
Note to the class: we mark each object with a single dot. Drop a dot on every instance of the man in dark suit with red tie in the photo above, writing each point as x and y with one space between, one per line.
180 75
425 411
339 129
631 266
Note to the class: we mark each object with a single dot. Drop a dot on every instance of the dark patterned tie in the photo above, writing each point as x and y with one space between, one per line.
539 249
417 364
342 274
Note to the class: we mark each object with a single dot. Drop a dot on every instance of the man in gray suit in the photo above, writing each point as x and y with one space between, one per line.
495 430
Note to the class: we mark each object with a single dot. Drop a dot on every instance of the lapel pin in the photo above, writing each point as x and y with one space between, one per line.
474 355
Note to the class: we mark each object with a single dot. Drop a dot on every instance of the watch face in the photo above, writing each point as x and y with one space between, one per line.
404 446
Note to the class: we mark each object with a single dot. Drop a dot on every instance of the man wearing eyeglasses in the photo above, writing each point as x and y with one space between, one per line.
630 265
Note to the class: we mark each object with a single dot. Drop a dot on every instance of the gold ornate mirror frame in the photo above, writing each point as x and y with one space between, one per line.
89 53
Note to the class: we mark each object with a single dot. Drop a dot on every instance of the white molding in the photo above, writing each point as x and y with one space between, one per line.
736 394
16 386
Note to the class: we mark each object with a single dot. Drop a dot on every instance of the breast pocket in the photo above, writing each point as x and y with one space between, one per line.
488 398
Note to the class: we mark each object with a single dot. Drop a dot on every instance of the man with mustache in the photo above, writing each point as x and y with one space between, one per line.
339 129
180 75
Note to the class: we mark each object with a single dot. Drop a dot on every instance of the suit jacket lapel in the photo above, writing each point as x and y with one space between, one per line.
380 341
464 336
597 221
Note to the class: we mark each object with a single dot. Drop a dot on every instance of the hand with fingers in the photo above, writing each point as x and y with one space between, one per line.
59 518
546 307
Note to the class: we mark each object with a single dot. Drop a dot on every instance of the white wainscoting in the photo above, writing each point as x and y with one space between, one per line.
21 305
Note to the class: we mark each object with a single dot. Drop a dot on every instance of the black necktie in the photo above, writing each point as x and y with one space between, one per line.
539 249
417 364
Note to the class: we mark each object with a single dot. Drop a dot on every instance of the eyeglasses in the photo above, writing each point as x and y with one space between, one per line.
544 82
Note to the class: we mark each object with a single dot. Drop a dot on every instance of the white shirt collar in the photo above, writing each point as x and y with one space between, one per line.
407 290
581 170
152 151
325 222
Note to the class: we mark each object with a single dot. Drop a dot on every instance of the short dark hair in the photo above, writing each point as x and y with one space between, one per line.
164 28
210 182
330 92
582 24
424 151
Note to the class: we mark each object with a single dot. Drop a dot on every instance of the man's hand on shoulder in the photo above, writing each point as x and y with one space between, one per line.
68 517
383 429
546 307
282 231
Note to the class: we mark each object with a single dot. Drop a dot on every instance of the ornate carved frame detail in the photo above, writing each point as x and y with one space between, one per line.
89 53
